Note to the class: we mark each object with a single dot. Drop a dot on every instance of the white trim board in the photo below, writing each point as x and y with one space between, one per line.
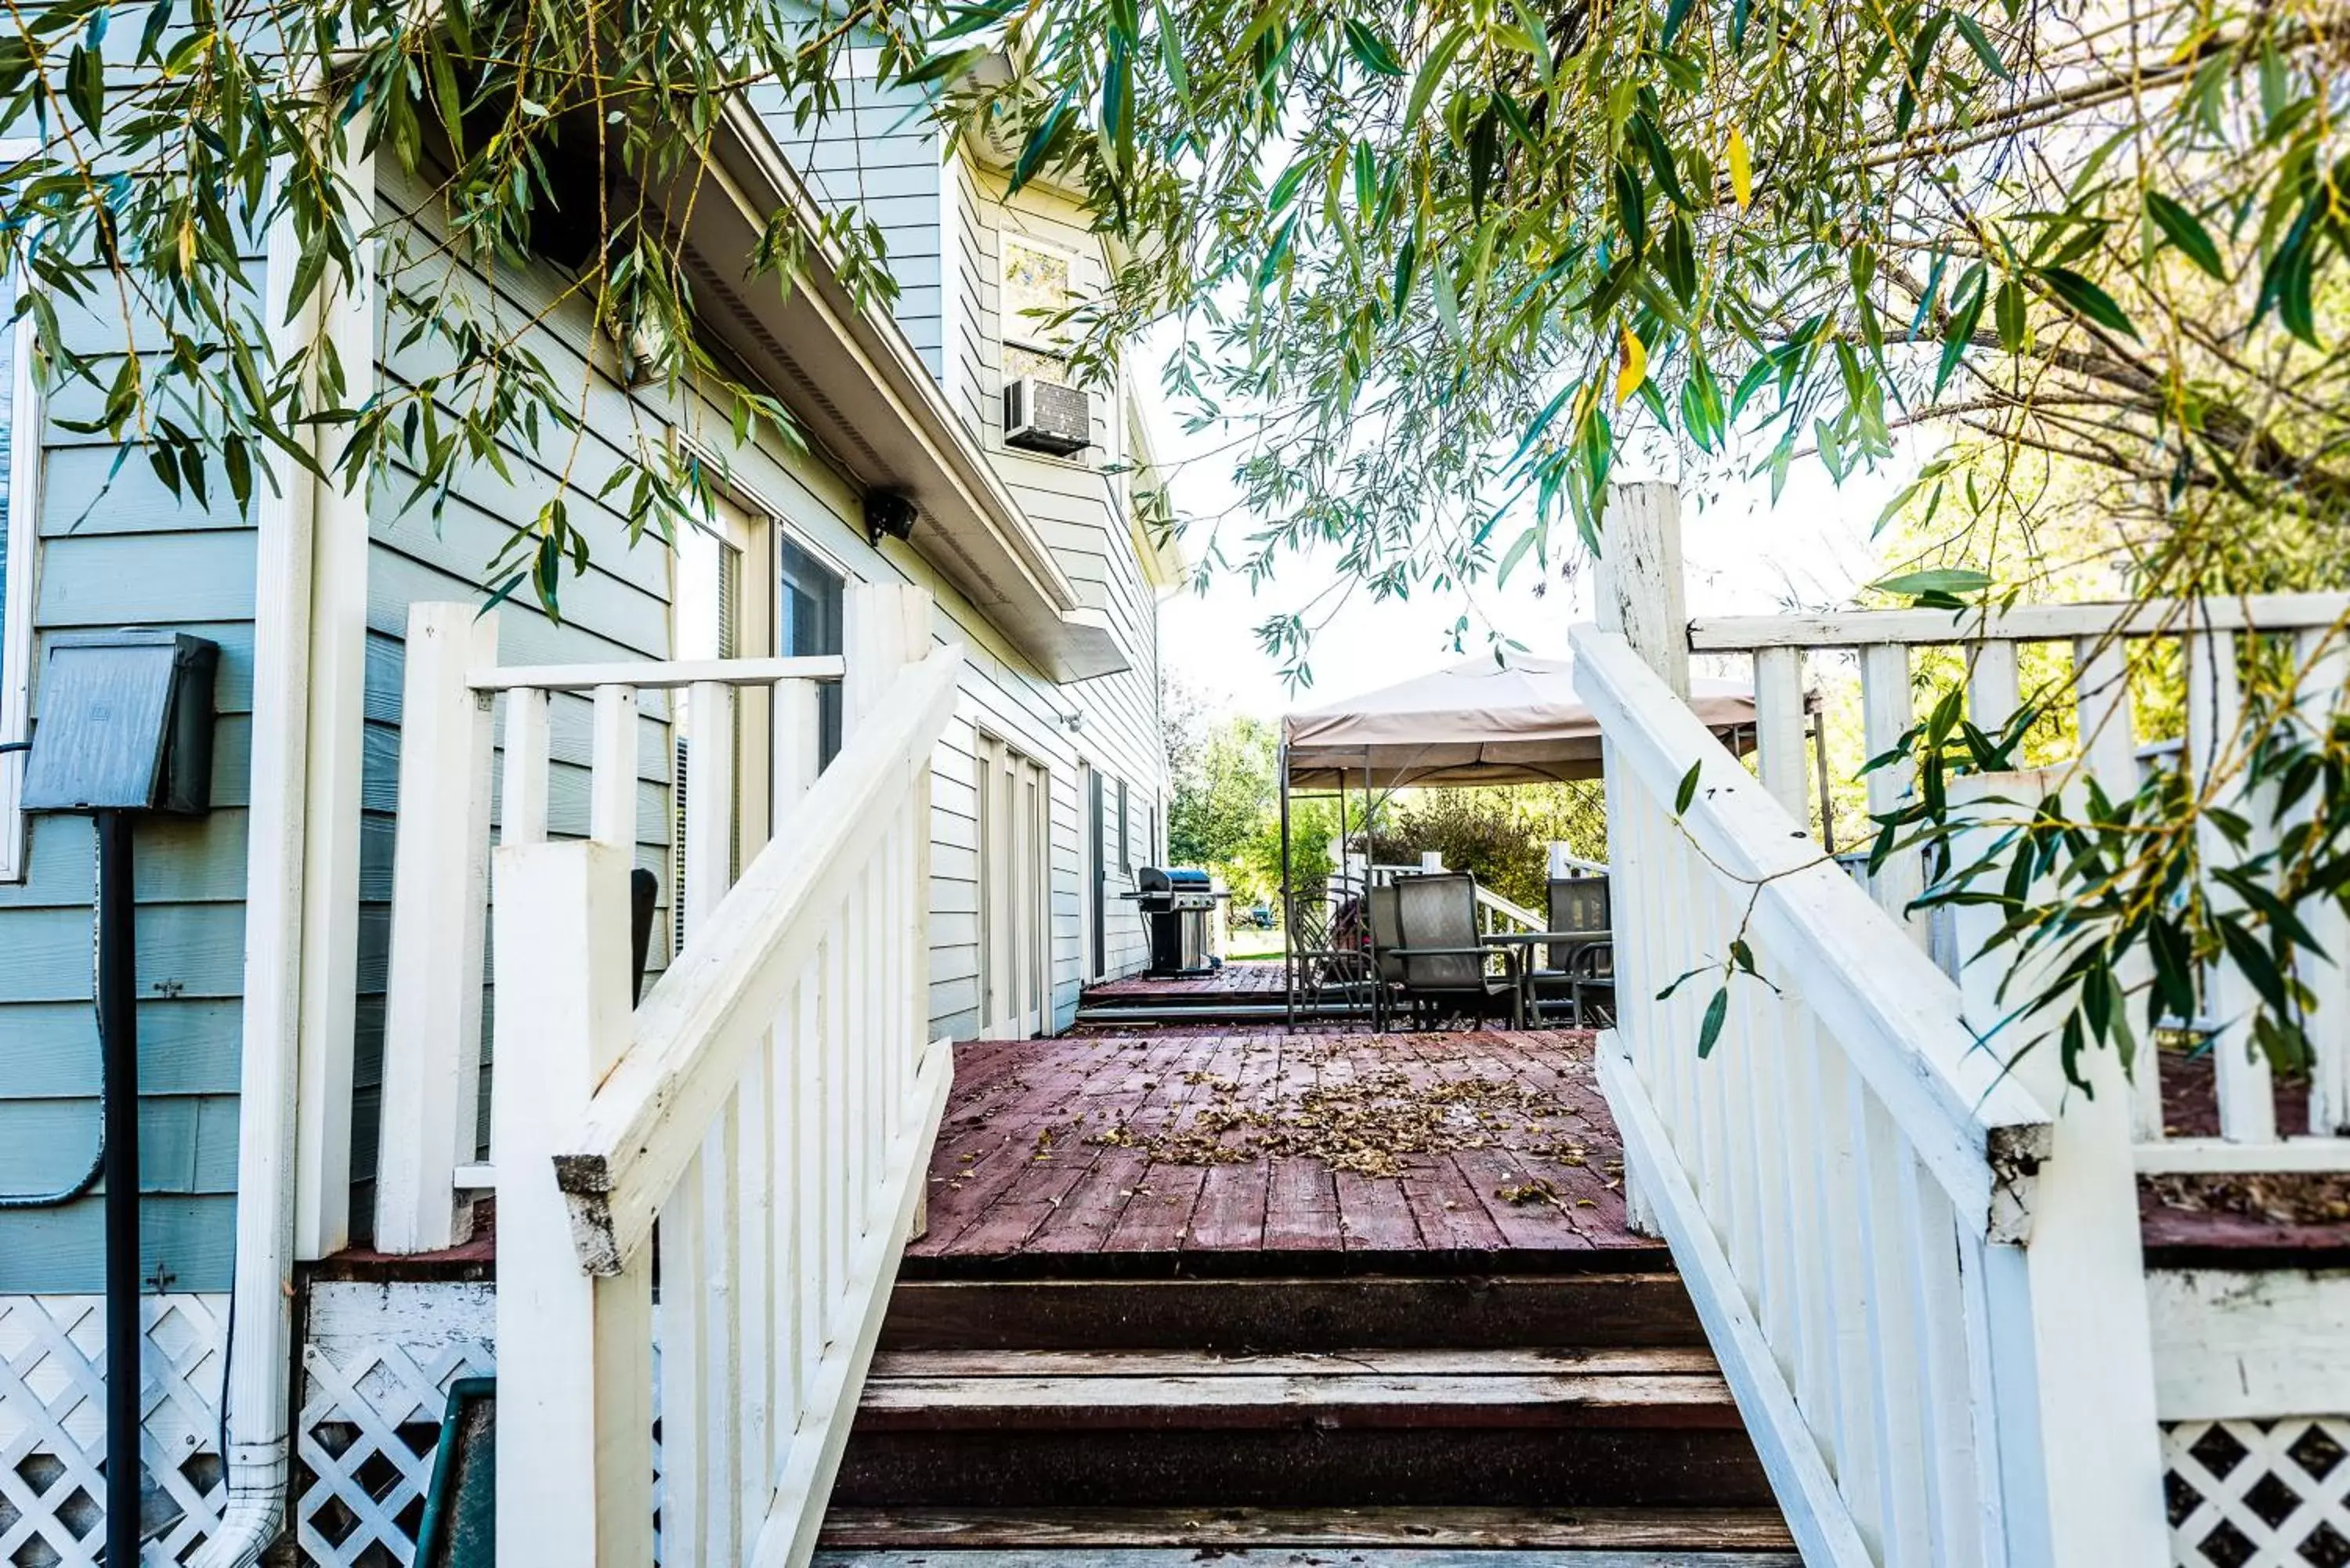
18 570
2254 1344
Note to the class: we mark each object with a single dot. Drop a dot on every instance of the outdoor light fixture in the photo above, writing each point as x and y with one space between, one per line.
890 513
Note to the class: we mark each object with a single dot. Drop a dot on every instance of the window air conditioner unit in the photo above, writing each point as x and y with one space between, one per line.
1044 416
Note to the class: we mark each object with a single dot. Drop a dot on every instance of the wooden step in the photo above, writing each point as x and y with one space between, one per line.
945 1391
1361 1557
1710 1530
1582 1309
1626 1427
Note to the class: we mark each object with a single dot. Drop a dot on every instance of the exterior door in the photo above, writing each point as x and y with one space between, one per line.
725 609
1013 931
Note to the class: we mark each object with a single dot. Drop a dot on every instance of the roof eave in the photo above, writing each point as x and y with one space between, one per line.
858 390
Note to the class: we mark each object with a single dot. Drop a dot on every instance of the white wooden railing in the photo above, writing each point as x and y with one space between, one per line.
1498 916
1924 1293
2095 637
760 1124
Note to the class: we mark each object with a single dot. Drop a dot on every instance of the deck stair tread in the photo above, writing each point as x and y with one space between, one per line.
1588 1309
1302 1557
940 1391
1581 1529
1425 1364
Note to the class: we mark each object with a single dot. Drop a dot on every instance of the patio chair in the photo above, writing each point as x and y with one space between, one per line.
1580 975
1326 952
1441 965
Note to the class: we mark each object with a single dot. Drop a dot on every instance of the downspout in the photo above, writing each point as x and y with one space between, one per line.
256 1402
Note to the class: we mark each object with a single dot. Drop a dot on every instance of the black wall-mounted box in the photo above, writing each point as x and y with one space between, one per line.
125 723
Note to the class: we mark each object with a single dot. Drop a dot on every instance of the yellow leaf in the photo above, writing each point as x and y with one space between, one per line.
1741 173
1635 369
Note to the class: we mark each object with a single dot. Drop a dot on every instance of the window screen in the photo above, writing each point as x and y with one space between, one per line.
811 609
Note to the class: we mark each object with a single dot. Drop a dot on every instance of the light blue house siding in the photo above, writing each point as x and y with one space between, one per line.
618 610
115 548
880 154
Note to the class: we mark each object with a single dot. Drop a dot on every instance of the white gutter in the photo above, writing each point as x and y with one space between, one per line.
256 1403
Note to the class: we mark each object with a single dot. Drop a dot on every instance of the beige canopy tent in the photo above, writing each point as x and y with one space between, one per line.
1515 721
1478 723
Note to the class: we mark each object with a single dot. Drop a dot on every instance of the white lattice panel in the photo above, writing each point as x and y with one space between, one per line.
53 1426
2259 1494
377 1368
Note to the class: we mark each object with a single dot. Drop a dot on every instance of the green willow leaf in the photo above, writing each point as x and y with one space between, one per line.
1370 50
1977 40
1708 1030
1431 73
1041 143
2085 298
1950 581
2186 231
2007 309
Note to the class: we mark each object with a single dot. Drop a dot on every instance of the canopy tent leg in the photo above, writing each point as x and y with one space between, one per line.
1288 904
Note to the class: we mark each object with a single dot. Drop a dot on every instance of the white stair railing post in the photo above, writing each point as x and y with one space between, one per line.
2088 1340
574 1352
2322 658
2214 712
1779 728
1638 595
1885 707
2108 732
439 889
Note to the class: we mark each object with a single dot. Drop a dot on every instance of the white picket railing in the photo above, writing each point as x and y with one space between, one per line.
1925 1294
2311 624
434 987
761 1122
1498 916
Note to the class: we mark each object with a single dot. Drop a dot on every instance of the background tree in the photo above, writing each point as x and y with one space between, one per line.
1225 789
1501 836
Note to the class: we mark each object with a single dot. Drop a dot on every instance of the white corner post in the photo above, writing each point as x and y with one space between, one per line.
277 1146
440 892
574 1352
2086 1354
1640 595
337 739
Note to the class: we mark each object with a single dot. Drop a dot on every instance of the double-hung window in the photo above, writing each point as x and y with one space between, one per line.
1035 286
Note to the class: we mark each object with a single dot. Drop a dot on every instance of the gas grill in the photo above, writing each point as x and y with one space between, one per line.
1176 904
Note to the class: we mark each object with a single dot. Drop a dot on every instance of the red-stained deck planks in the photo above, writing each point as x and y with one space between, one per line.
1016 1177
1255 979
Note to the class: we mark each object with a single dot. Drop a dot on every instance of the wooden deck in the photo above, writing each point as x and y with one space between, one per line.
1252 979
1205 1150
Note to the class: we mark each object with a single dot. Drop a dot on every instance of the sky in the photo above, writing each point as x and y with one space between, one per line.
1743 554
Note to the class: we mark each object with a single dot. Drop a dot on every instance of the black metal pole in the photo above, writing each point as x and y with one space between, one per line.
118 1025
1288 901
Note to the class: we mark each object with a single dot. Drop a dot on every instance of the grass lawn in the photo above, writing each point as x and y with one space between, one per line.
1248 942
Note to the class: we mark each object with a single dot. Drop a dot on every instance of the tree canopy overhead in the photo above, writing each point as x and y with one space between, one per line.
1447 260
1441 263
